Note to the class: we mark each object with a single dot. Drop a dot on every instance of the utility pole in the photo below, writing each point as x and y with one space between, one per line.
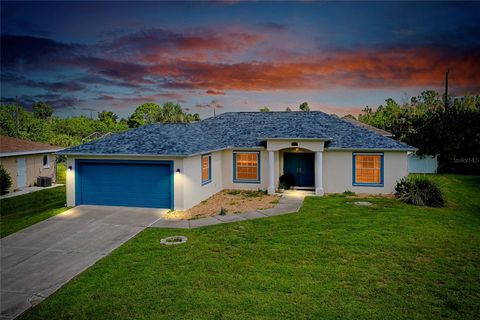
446 90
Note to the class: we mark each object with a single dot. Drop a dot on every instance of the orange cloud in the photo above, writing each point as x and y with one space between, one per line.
215 92
393 68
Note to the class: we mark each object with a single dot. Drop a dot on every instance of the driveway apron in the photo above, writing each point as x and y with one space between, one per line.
38 260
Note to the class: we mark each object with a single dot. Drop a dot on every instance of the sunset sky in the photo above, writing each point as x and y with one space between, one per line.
83 57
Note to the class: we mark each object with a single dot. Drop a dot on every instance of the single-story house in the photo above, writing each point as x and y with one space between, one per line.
26 160
179 165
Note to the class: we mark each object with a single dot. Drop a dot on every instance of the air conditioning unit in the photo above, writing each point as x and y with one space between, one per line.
44 181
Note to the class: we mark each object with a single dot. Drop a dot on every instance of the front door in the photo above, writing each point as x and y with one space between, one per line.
302 167
21 172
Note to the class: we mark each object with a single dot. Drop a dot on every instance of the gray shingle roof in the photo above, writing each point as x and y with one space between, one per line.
238 130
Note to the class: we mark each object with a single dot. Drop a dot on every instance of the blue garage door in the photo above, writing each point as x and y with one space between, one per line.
121 183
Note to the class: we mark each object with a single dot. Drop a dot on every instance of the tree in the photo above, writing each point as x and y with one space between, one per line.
304 107
146 113
107 117
41 110
288 109
5 181
424 123
264 109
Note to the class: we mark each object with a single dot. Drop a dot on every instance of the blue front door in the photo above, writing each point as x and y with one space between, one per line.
301 166
125 183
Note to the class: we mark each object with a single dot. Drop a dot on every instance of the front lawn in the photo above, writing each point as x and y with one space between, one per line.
333 260
19 212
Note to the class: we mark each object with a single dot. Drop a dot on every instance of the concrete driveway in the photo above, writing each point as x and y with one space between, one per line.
38 260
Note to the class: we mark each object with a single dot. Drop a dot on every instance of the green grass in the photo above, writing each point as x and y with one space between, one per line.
22 211
61 173
333 260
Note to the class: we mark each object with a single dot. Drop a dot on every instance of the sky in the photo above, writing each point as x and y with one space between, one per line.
84 57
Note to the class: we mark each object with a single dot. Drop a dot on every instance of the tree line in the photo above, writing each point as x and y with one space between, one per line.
42 126
449 129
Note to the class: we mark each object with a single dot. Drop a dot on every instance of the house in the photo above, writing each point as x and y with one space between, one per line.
422 163
25 161
179 165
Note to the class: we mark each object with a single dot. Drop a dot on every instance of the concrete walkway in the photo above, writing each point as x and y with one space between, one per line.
290 202
26 190
38 260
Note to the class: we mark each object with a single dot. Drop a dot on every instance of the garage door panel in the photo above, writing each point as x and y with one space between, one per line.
125 184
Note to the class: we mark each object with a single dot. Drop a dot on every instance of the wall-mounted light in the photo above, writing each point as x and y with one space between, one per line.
70 168
178 170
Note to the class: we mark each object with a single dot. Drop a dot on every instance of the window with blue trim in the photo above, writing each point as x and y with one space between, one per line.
206 169
368 169
246 166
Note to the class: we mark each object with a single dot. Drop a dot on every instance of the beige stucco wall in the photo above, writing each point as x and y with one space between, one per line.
189 191
193 189
35 169
337 172
312 145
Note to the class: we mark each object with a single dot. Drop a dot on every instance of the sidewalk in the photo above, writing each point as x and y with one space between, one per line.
290 202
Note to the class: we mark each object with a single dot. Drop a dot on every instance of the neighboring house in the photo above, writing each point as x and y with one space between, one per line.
25 160
179 165
422 164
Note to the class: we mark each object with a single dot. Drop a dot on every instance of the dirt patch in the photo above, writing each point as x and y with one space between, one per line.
233 201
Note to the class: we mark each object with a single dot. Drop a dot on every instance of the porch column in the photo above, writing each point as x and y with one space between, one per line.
271 172
319 173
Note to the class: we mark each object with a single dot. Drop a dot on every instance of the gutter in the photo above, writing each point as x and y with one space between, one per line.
24 153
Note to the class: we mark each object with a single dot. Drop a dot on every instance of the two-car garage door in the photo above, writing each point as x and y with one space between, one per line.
124 183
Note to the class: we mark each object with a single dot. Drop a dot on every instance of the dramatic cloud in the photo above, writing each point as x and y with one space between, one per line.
214 92
153 45
267 54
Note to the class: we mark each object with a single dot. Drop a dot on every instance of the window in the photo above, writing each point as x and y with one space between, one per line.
206 169
246 167
46 163
368 169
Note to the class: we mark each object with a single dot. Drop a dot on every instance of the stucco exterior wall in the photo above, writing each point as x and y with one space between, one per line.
34 168
337 172
312 145
189 191
193 189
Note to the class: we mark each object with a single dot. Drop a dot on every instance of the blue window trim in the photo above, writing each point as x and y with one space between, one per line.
78 177
235 180
382 167
204 182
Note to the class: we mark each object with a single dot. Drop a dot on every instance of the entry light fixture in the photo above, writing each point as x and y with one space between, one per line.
70 168
178 170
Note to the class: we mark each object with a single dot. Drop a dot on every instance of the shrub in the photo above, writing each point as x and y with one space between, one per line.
419 191
223 211
5 180
286 181
348 193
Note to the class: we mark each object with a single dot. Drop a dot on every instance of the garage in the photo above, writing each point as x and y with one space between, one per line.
124 183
